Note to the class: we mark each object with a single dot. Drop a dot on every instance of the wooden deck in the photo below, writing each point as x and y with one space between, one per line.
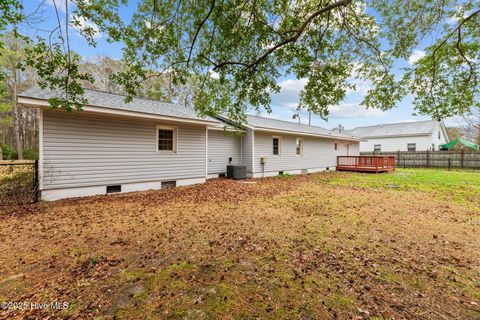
366 163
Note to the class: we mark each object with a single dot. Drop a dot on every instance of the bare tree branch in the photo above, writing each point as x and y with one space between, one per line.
198 31
471 67
453 32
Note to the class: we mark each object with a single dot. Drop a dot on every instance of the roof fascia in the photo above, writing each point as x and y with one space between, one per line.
309 134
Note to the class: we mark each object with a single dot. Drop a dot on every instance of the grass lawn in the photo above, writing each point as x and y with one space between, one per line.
459 185
345 245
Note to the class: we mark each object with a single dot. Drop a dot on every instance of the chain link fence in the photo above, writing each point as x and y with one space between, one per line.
18 182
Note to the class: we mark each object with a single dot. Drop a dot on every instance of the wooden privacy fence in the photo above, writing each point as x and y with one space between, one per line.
461 159
18 182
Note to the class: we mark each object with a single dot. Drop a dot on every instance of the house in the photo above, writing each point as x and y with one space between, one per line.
406 136
113 146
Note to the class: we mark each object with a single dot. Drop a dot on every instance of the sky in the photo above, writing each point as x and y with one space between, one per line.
349 113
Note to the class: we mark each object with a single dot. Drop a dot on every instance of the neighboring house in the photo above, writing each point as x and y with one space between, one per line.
113 146
408 136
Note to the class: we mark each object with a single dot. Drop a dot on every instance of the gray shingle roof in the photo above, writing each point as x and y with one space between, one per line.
396 129
273 124
116 101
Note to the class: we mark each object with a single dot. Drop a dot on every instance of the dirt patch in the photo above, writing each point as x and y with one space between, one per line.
282 248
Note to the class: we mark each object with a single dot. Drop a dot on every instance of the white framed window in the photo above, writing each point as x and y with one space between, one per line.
276 145
299 146
377 147
412 147
166 139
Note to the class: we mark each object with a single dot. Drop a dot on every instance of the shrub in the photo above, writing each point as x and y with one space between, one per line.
30 154
8 152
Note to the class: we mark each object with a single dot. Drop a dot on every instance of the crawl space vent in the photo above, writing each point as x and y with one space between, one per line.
304 171
114 189
169 184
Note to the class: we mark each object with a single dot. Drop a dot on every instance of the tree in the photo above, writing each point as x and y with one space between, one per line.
5 117
102 69
11 55
471 125
17 124
454 133
233 51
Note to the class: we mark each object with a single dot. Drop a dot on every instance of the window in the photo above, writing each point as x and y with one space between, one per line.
335 146
412 147
433 146
167 139
276 146
377 147
299 147
439 135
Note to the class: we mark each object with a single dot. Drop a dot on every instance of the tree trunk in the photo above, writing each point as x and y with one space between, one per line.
16 119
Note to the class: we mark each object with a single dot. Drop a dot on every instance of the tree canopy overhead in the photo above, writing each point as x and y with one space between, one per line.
232 52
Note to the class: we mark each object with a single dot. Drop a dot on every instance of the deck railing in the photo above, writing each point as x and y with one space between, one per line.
367 163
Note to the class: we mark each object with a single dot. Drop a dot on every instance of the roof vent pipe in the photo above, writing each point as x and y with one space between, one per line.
340 128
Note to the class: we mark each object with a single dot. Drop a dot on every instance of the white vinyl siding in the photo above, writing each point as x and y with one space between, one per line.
400 143
247 149
80 150
221 146
393 144
317 153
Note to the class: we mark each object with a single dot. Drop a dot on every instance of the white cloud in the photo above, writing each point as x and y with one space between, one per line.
289 94
416 55
79 23
288 97
214 75
353 110
452 20
455 18
361 86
